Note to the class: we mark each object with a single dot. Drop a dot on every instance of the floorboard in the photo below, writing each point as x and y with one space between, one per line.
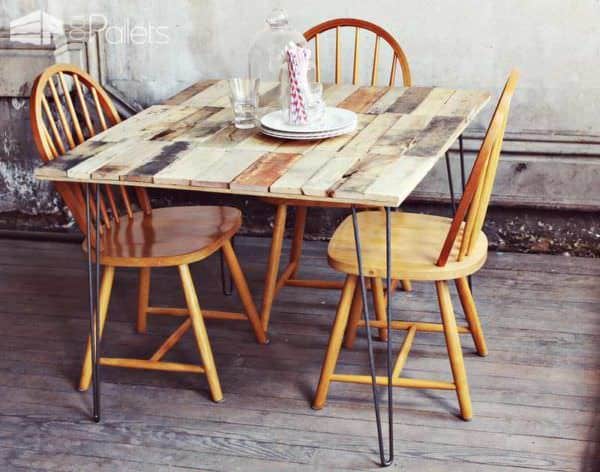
535 397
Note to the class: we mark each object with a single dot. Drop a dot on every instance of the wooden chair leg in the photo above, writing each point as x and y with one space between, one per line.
143 299
406 285
299 226
242 286
355 314
108 277
379 304
273 265
468 304
335 342
454 350
201 335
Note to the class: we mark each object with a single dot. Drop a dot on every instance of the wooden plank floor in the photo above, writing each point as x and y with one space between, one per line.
535 397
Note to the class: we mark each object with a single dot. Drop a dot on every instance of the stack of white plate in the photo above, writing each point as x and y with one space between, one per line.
335 122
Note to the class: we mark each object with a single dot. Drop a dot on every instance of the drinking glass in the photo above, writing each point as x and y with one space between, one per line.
243 94
316 105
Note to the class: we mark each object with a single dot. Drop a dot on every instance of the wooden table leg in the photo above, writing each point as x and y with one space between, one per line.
273 265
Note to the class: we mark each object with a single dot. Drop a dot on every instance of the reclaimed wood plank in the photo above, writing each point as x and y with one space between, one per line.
222 172
59 166
410 100
338 143
84 169
366 171
175 129
368 136
189 92
300 172
133 125
168 154
402 135
386 101
228 137
116 168
465 103
327 176
263 172
434 101
437 136
208 95
191 162
362 99
337 93
400 179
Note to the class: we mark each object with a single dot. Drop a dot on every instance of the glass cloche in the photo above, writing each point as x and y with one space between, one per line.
267 52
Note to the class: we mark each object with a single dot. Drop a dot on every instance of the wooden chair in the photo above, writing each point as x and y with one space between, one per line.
426 248
165 237
288 276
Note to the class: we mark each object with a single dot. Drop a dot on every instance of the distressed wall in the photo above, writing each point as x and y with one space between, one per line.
552 158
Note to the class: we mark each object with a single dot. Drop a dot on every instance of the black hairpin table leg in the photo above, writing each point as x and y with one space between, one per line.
450 183
94 289
390 459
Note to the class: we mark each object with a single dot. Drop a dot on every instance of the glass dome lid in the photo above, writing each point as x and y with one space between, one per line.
267 52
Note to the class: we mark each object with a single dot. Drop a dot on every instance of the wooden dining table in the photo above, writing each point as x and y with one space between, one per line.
189 143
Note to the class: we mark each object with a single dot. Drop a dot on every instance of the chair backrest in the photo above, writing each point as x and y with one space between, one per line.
398 55
67 107
474 203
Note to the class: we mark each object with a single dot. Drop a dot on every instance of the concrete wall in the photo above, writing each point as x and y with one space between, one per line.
553 157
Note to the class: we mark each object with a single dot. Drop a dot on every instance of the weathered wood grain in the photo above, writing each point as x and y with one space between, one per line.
300 172
191 162
189 92
410 100
118 167
465 103
402 135
326 178
262 173
176 129
169 154
409 122
437 136
208 95
222 172
362 99
85 168
59 167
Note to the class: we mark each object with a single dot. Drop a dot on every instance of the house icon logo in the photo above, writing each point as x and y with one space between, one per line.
37 28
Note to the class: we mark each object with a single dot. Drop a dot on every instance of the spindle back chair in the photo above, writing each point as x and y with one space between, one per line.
398 56
273 282
67 108
425 248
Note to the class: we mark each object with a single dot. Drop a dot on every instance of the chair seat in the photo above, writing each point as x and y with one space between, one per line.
416 244
169 236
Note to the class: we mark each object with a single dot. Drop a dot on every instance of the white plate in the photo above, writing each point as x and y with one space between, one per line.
308 136
334 119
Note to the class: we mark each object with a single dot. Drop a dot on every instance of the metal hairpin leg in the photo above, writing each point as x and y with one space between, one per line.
94 290
390 459
450 183
463 182
227 288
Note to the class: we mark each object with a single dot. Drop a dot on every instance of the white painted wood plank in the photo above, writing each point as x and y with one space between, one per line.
209 95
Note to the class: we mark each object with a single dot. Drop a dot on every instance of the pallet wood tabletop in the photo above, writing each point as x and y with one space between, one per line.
190 143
